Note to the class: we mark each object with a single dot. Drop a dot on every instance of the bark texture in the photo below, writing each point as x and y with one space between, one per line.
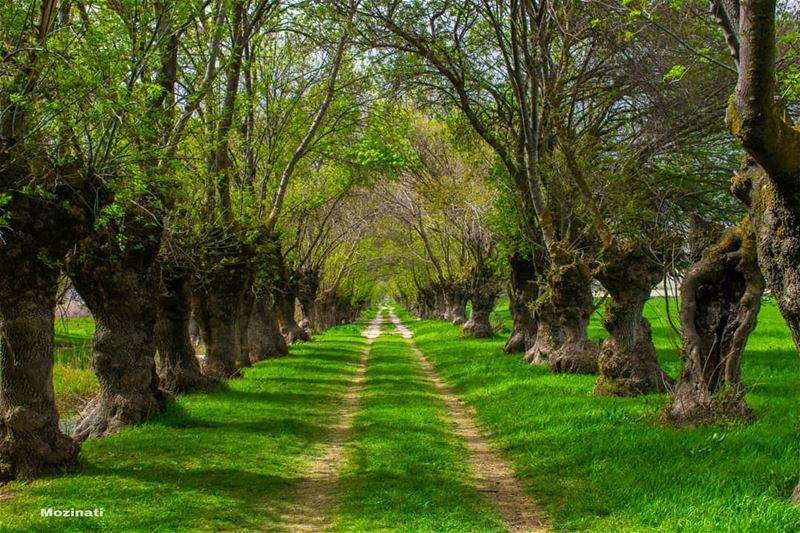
483 292
217 308
430 304
563 313
456 305
769 183
285 305
720 298
522 294
308 287
628 363
549 335
245 315
30 438
120 287
37 231
264 336
179 371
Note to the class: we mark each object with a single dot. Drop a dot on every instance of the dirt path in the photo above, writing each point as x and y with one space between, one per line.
493 477
318 493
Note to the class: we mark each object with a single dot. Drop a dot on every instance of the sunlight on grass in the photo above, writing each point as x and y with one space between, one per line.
407 471
228 459
607 464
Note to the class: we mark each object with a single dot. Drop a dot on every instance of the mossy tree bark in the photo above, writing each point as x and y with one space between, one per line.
563 313
217 305
120 287
628 363
720 298
264 336
179 370
41 230
522 294
769 183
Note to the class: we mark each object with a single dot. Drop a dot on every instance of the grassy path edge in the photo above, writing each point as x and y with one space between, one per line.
493 476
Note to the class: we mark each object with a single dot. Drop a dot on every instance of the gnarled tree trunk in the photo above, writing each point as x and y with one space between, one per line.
120 287
308 287
40 231
720 298
285 307
768 184
179 371
628 362
549 335
30 439
522 294
563 313
264 336
483 293
218 308
456 300
478 324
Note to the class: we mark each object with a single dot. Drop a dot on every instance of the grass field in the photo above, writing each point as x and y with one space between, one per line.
230 459
223 460
73 378
607 464
406 469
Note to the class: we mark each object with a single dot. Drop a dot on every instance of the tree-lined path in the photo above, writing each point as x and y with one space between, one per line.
354 432
236 191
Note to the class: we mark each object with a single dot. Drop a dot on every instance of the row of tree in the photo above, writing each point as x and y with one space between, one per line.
605 158
149 151
227 160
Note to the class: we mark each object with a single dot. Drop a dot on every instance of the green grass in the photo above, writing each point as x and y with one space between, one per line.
230 459
223 460
406 471
73 379
74 342
607 464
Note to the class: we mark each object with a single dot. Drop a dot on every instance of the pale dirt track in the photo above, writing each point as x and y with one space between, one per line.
318 492
493 476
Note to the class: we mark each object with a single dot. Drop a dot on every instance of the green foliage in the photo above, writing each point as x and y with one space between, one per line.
385 144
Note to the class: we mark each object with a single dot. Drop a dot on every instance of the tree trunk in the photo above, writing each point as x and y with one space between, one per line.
245 315
720 298
264 336
30 439
549 335
456 306
308 287
37 231
285 306
563 313
180 370
768 182
483 292
218 309
120 287
628 362
522 294
478 324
